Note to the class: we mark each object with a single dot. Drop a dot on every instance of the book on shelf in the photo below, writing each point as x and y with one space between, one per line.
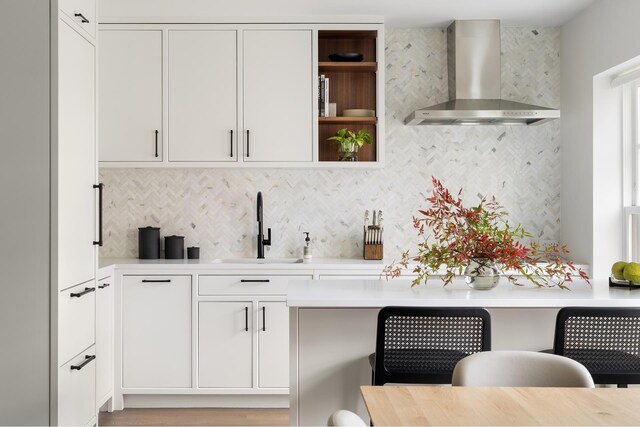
326 97
323 96
320 94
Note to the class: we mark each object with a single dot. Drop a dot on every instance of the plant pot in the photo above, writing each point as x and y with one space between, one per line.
347 152
481 274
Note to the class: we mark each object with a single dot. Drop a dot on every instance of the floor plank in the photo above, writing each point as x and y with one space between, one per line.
195 417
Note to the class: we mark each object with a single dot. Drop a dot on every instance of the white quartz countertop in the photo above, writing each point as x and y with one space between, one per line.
397 292
246 263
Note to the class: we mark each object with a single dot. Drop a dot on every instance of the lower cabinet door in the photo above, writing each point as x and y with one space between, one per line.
273 344
225 344
156 332
104 340
76 317
76 390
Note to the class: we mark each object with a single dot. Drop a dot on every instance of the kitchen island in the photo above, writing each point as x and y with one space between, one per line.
333 329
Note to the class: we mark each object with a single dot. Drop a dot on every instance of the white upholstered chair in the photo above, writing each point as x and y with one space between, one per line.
520 369
344 418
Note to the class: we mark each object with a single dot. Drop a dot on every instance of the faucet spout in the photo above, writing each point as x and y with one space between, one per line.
262 242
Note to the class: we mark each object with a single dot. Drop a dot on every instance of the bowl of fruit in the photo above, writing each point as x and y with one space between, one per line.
625 274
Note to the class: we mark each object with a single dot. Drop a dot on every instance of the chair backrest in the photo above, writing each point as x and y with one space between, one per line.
343 418
520 369
423 344
606 340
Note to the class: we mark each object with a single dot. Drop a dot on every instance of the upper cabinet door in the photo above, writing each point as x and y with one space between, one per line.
76 159
130 101
278 96
202 96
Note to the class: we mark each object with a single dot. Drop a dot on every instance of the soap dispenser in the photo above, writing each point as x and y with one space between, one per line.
307 248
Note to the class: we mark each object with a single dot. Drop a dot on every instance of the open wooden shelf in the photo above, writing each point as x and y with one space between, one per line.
370 67
351 85
348 120
328 151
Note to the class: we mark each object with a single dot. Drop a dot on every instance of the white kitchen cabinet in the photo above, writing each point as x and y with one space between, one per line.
243 330
231 96
76 390
202 98
278 96
76 159
225 353
104 341
273 344
131 95
156 332
82 13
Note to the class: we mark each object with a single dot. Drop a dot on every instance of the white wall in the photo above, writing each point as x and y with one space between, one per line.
593 46
24 212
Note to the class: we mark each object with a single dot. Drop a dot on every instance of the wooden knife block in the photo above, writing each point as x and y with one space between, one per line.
373 251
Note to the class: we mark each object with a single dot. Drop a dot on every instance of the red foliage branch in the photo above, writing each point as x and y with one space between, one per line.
458 234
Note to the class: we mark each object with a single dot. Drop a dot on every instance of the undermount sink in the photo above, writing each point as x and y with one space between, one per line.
260 261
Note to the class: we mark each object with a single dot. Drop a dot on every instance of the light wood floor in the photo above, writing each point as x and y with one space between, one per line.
196 417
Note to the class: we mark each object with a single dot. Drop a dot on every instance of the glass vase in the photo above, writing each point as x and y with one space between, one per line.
348 152
481 274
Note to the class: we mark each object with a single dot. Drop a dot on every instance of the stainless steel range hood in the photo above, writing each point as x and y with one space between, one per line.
473 50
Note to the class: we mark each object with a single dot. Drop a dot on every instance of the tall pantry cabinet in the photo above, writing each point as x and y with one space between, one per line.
49 192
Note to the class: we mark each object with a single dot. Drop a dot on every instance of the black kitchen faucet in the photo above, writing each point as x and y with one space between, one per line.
262 242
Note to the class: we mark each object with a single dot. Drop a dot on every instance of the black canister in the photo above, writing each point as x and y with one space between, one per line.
149 243
174 247
193 252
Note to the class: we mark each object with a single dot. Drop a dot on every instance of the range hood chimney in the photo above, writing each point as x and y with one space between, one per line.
474 66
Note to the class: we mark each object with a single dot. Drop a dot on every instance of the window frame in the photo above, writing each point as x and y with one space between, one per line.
631 169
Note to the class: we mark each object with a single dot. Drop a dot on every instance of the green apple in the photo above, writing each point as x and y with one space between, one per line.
632 272
617 270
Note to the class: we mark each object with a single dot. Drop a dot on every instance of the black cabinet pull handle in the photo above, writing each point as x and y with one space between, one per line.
79 294
106 285
87 359
247 143
264 318
100 187
231 144
254 280
82 18
246 319
156 131
156 280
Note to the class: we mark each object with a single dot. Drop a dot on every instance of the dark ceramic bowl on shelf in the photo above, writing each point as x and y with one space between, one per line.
346 57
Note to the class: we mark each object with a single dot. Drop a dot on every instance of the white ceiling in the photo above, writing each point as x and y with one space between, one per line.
396 13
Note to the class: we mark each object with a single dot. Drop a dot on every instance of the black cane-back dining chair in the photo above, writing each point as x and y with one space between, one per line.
606 340
423 344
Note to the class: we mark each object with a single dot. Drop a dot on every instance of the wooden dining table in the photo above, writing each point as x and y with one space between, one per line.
550 406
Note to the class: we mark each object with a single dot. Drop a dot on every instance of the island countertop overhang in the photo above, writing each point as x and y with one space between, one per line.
397 292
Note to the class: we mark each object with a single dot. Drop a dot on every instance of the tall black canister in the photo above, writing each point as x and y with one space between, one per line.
149 242
174 247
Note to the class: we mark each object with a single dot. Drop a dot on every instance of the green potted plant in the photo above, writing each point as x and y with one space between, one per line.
479 243
349 142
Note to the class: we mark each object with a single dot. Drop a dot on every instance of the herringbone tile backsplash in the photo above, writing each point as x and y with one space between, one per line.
215 208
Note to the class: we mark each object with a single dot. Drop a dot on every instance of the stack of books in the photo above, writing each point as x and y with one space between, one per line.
323 96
